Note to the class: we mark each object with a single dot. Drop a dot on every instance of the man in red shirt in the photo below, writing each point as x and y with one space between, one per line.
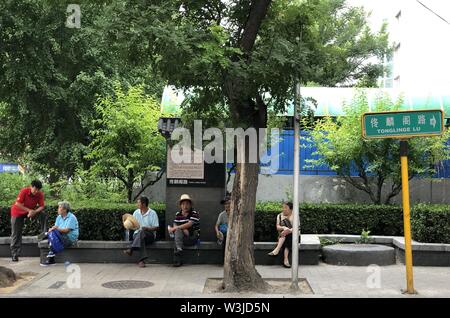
29 204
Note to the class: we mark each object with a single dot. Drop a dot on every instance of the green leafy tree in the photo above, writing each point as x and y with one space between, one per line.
237 53
51 76
126 143
341 146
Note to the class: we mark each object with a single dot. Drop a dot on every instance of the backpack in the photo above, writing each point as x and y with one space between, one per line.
55 241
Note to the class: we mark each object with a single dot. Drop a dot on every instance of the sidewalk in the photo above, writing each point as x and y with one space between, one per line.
189 280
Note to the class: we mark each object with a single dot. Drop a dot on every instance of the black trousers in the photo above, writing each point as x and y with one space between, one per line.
17 224
140 242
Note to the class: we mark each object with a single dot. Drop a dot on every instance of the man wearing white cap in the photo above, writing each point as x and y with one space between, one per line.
185 229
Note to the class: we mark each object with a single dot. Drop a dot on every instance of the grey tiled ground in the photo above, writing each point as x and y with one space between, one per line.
189 280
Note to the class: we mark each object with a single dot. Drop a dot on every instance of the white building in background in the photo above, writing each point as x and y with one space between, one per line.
421 37
420 33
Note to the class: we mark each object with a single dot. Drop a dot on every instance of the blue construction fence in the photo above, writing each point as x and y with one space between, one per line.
307 152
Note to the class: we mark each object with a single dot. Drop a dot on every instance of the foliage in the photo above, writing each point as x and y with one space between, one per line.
101 220
48 87
235 52
95 222
126 143
364 238
377 162
85 187
51 78
431 223
332 219
12 183
326 42
326 242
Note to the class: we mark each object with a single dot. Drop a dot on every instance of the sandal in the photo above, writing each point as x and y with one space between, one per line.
273 254
128 252
286 265
141 264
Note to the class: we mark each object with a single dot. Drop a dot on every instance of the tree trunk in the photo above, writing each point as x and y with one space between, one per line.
130 185
52 179
129 194
239 270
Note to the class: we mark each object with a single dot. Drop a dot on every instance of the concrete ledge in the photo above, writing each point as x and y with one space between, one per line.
29 246
424 254
161 252
25 240
388 240
359 254
417 246
425 258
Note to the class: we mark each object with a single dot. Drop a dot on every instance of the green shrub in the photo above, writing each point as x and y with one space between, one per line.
431 223
85 187
10 184
332 219
364 238
102 220
102 223
327 242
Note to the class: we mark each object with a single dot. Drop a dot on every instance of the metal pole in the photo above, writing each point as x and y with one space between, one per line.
295 247
406 217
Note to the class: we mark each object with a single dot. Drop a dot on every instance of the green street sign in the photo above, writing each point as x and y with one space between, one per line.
403 124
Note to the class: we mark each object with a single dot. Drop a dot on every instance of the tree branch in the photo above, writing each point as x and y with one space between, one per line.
380 186
356 184
363 175
119 177
150 183
257 14
395 190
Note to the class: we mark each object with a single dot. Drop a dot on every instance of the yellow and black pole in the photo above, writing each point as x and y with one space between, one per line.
406 218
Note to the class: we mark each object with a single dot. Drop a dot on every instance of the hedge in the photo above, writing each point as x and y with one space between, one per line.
429 223
333 219
96 224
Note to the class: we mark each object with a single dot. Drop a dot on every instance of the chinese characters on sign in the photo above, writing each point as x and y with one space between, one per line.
403 124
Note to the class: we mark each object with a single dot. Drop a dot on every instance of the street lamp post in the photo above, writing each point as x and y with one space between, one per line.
295 226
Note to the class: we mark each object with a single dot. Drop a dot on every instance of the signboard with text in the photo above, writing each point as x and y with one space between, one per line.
9 167
195 172
402 124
